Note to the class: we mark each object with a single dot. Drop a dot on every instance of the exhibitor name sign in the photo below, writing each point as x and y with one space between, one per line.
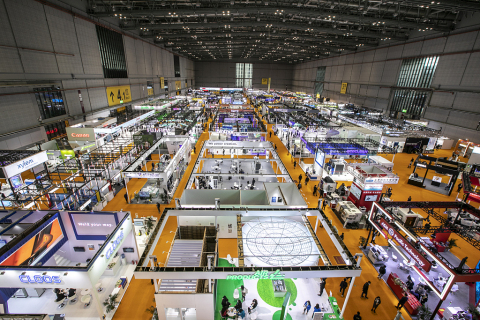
424 263
25 164
258 275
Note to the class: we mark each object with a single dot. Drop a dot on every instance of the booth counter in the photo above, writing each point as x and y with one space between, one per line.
398 287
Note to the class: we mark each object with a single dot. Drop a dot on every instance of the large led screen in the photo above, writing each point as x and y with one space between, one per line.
35 248
93 226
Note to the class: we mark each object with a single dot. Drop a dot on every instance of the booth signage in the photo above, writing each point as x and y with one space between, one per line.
258 275
147 175
114 245
80 134
424 263
39 279
25 164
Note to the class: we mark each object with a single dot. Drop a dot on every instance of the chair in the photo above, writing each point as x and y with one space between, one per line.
236 294
62 302
394 257
454 288
229 259
86 299
72 296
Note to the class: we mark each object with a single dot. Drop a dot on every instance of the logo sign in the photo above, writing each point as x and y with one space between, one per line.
80 134
25 164
114 245
424 263
39 279
118 94
258 275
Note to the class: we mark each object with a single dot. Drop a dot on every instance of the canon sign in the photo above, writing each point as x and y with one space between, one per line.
424 263
80 134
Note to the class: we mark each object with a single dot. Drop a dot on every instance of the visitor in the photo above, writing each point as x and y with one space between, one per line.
322 286
299 186
357 316
382 271
460 186
126 197
253 306
158 207
316 309
427 227
225 302
238 306
244 292
343 286
295 164
376 303
342 236
409 198
306 180
306 307
300 177
365 289
194 149
315 188
241 313
402 301
324 204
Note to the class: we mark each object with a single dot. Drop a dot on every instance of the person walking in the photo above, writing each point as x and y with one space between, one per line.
295 164
382 271
410 164
365 289
315 188
299 186
402 302
316 309
376 303
300 177
324 204
306 180
343 286
270 134
306 307
126 197
427 227
322 286
409 198
342 236
194 149
158 207
460 186
357 316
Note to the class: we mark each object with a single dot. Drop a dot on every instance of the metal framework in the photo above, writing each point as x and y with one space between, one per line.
279 30
347 146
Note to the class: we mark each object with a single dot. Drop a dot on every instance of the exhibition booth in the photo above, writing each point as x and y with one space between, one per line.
450 170
66 262
280 261
420 263
162 165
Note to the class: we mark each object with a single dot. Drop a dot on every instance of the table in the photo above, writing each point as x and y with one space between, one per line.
412 304
231 312
85 292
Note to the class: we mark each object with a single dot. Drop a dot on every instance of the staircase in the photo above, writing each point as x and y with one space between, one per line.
61 261
185 253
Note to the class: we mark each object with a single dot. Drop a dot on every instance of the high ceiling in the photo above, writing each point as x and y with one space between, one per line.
282 30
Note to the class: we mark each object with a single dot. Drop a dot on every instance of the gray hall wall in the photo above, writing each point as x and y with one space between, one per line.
454 104
222 74
46 46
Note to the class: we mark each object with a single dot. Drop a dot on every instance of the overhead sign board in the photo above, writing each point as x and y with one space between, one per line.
25 164
150 92
178 85
80 134
119 94
414 253
220 89
148 175
264 80
162 83
343 89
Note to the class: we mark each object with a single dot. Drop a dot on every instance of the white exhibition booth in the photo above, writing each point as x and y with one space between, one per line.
67 262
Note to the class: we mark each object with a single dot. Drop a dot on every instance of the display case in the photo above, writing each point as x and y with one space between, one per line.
279 288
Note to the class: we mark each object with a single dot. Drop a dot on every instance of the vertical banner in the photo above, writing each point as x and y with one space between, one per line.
150 92
269 82
162 83
343 89
264 80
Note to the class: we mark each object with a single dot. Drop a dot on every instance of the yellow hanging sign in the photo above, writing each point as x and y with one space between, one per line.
150 92
119 94
343 90
162 83
178 85
264 80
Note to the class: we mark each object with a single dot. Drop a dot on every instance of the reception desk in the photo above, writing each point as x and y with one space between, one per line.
412 304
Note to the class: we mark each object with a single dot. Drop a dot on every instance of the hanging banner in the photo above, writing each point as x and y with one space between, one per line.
178 85
119 94
264 81
343 89
150 92
162 83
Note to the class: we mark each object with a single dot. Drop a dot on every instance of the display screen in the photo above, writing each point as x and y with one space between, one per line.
320 158
35 248
16 181
93 224
355 191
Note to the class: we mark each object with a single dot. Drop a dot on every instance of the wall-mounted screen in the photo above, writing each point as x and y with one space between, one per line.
35 248
355 191
79 249
128 249
93 226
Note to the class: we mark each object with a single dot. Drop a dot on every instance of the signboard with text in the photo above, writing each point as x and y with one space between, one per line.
162 83
80 134
119 94
25 164
343 89
410 249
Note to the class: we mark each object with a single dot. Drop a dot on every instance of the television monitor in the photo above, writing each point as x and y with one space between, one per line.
79 249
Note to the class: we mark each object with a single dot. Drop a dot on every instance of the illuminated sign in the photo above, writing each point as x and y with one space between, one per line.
39 279
80 134
25 164
258 275
424 263
115 243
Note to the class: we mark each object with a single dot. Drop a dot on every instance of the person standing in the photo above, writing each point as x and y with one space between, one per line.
402 302
315 190
244 291
427 227
343 286
376 303
306 307
410 164
194 149
322 286
460 186
365 289
158 207
270 134
126 197
300 177
324 204
316 309
357 316
382 271
306 180
342 236
295 164
409 198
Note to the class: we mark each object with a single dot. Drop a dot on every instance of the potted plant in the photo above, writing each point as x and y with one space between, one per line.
110 303
424 313
452 243
153 311
148 226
